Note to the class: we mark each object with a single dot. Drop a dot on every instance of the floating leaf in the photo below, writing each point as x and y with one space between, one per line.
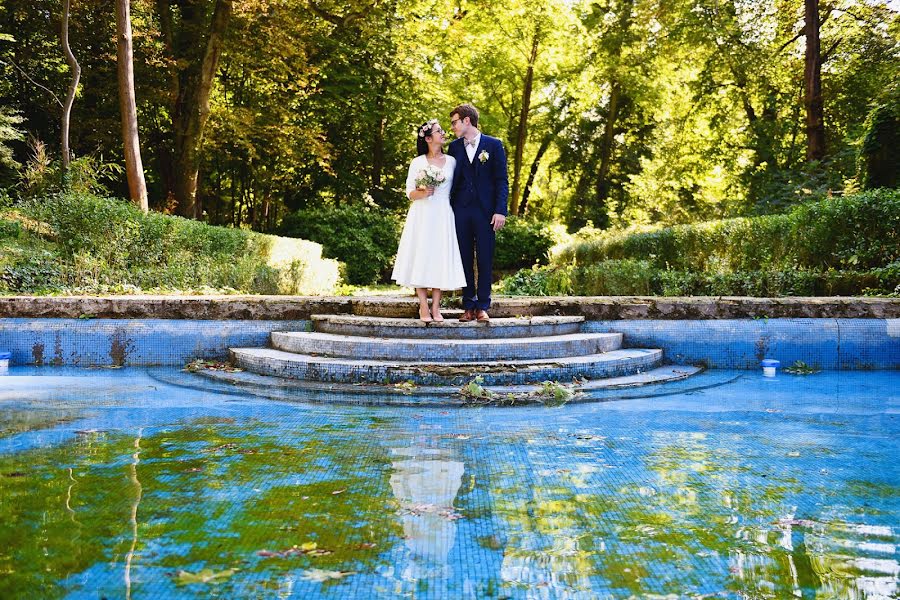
322 576
307 548
204 576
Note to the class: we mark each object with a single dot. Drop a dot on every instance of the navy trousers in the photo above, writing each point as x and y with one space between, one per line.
476 242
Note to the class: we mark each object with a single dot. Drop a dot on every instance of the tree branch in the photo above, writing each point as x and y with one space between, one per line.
827 54
337 20
22 71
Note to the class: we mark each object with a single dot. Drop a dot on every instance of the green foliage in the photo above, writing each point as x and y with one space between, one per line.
627 278
9 132
840 246
637 115
523 243
538 281
44 176
475 391
554 394
33 270
102 244
614 277
364 238
9 229
861 231
878 156
770 283
801 368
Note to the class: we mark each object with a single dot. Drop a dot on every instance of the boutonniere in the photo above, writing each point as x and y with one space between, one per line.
484 156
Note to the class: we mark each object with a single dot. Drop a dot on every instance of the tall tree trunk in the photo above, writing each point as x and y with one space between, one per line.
616 95
522 130
561 123
134 167
535 165
606 148
812 78
191 79
378 143
73 85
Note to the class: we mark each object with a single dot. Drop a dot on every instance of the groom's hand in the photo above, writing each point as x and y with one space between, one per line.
498 221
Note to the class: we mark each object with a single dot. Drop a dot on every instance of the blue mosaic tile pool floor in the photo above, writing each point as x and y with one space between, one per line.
116 485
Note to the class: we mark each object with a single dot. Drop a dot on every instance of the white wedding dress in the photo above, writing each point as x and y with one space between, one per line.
428 255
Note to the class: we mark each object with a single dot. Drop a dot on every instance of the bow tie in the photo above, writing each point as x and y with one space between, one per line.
469 142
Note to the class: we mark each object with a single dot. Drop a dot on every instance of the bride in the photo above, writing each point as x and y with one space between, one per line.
428 255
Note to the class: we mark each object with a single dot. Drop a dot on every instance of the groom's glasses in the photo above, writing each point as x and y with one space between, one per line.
454 122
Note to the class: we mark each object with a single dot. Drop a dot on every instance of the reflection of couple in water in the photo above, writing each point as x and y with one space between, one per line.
425 482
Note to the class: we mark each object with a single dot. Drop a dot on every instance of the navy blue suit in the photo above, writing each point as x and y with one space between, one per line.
480 190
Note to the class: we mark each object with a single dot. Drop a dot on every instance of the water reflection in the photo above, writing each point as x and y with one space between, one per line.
425 482
584 502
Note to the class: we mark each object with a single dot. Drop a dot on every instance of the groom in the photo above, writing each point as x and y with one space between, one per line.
478 197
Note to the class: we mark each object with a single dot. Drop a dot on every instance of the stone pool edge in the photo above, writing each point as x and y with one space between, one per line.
715 332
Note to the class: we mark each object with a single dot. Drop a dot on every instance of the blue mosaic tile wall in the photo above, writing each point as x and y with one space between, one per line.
846 344
97 342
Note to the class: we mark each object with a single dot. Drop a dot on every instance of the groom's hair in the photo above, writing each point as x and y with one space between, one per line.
466 110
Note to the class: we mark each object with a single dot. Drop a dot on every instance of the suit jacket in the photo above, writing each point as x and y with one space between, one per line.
480 183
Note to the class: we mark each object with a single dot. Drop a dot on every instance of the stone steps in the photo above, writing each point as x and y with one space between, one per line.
446 351
656 382
615 363
451 328
511 352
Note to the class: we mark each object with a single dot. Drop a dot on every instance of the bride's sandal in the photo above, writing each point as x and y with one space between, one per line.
425 316
437 318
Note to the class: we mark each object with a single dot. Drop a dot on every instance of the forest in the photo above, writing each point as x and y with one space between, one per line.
298 117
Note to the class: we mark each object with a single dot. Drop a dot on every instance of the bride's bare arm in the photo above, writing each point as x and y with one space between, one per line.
421 193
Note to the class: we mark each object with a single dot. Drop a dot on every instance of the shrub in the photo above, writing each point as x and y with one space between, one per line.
9 229
613 278
627 278
861 231
364 238
523 243
107 245
538 281
854 232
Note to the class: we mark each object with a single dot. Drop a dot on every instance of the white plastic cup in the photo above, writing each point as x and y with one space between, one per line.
769 367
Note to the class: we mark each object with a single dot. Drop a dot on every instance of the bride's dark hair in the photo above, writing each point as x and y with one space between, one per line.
424 132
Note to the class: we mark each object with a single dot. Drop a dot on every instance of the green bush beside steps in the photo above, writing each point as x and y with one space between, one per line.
76 242
839 246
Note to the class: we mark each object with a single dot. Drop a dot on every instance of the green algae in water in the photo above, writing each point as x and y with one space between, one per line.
205 497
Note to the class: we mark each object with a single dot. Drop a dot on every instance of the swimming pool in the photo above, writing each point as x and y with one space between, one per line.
115 483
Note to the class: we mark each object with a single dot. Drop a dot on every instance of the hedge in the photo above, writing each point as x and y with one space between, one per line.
858 232
80 241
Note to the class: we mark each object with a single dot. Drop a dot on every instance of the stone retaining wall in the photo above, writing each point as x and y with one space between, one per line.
287 308
730 333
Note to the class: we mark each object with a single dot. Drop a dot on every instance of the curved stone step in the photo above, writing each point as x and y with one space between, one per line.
665 380
269 361
511 327
446 350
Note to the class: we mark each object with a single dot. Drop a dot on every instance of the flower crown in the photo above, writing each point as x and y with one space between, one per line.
427 127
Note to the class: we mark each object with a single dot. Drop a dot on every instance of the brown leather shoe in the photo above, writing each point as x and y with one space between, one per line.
482 316
468 315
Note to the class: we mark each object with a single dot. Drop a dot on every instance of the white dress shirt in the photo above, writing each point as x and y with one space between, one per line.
470 150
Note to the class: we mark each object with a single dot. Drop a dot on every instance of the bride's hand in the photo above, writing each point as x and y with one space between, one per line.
421 193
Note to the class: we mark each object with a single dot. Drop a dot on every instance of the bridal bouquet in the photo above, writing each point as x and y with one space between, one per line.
430 176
